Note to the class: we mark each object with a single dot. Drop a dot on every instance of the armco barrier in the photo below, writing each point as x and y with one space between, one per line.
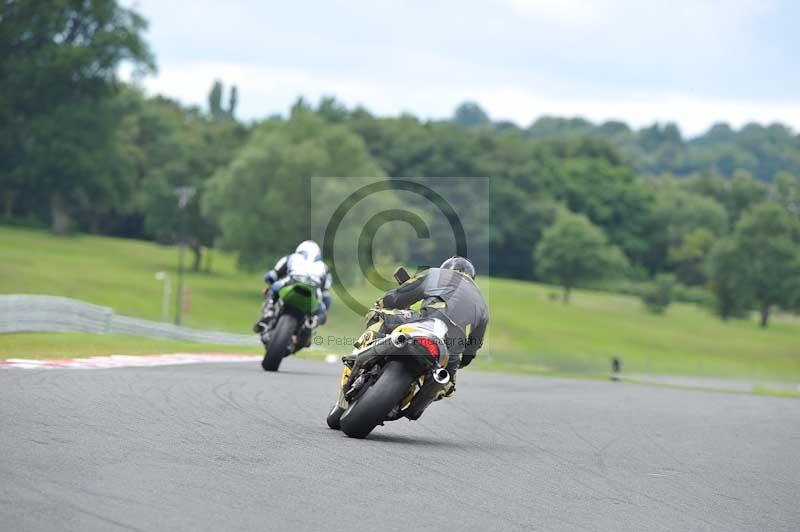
38 313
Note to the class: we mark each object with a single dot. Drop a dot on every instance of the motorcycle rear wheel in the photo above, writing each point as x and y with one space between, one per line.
372 407
279 343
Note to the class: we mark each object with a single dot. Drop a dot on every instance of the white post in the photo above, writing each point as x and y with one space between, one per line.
164 278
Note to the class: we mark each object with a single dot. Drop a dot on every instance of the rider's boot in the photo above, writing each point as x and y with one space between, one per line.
431 391
261 325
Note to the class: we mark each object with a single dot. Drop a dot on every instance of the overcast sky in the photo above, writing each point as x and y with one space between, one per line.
693 62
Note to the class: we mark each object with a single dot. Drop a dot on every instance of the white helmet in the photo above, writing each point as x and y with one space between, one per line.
310 250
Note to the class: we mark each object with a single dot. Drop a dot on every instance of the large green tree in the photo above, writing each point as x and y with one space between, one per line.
170 146
597 184
675 215
727 280
261 199
737 195
574 251
58 70
527 177
689 256
760 263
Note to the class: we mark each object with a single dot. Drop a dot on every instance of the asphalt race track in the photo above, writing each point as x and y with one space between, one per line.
229 447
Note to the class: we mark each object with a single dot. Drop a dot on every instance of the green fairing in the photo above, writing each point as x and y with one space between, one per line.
293 295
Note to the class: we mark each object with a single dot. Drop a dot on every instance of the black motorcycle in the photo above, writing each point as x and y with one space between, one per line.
385 372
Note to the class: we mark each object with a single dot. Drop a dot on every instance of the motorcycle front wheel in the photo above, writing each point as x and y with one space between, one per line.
372 407
280 342
334 416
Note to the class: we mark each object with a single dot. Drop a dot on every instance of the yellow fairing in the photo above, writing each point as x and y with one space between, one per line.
345 376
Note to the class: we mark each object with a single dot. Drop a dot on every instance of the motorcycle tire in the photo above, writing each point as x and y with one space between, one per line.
372 407
334 416
280 342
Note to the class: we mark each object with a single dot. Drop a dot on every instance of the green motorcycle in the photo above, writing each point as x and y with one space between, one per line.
289 321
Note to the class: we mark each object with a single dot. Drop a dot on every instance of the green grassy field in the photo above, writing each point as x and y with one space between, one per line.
529 330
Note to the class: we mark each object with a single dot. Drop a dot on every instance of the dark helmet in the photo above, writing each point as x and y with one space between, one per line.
459 264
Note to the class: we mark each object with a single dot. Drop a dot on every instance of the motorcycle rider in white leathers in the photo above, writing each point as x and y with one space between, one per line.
306 261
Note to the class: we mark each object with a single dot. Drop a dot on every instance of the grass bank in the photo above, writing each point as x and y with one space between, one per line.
530 331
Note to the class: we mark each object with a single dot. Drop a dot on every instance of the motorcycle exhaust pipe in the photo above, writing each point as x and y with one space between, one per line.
399 340
381 348
441 376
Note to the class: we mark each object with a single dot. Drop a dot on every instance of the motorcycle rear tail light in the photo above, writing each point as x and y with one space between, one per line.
430 345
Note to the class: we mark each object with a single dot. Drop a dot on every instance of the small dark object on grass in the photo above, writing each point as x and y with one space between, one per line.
616 368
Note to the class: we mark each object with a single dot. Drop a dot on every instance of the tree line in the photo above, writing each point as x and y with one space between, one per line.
713 219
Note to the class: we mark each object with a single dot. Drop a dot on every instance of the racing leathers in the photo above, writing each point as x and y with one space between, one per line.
297 264
454 298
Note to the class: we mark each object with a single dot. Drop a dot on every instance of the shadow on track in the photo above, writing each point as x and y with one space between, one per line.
414 441
304 373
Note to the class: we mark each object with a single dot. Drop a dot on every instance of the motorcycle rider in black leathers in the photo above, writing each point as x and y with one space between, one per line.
450 294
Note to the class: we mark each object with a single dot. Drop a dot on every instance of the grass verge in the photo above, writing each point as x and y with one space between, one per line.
530 330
